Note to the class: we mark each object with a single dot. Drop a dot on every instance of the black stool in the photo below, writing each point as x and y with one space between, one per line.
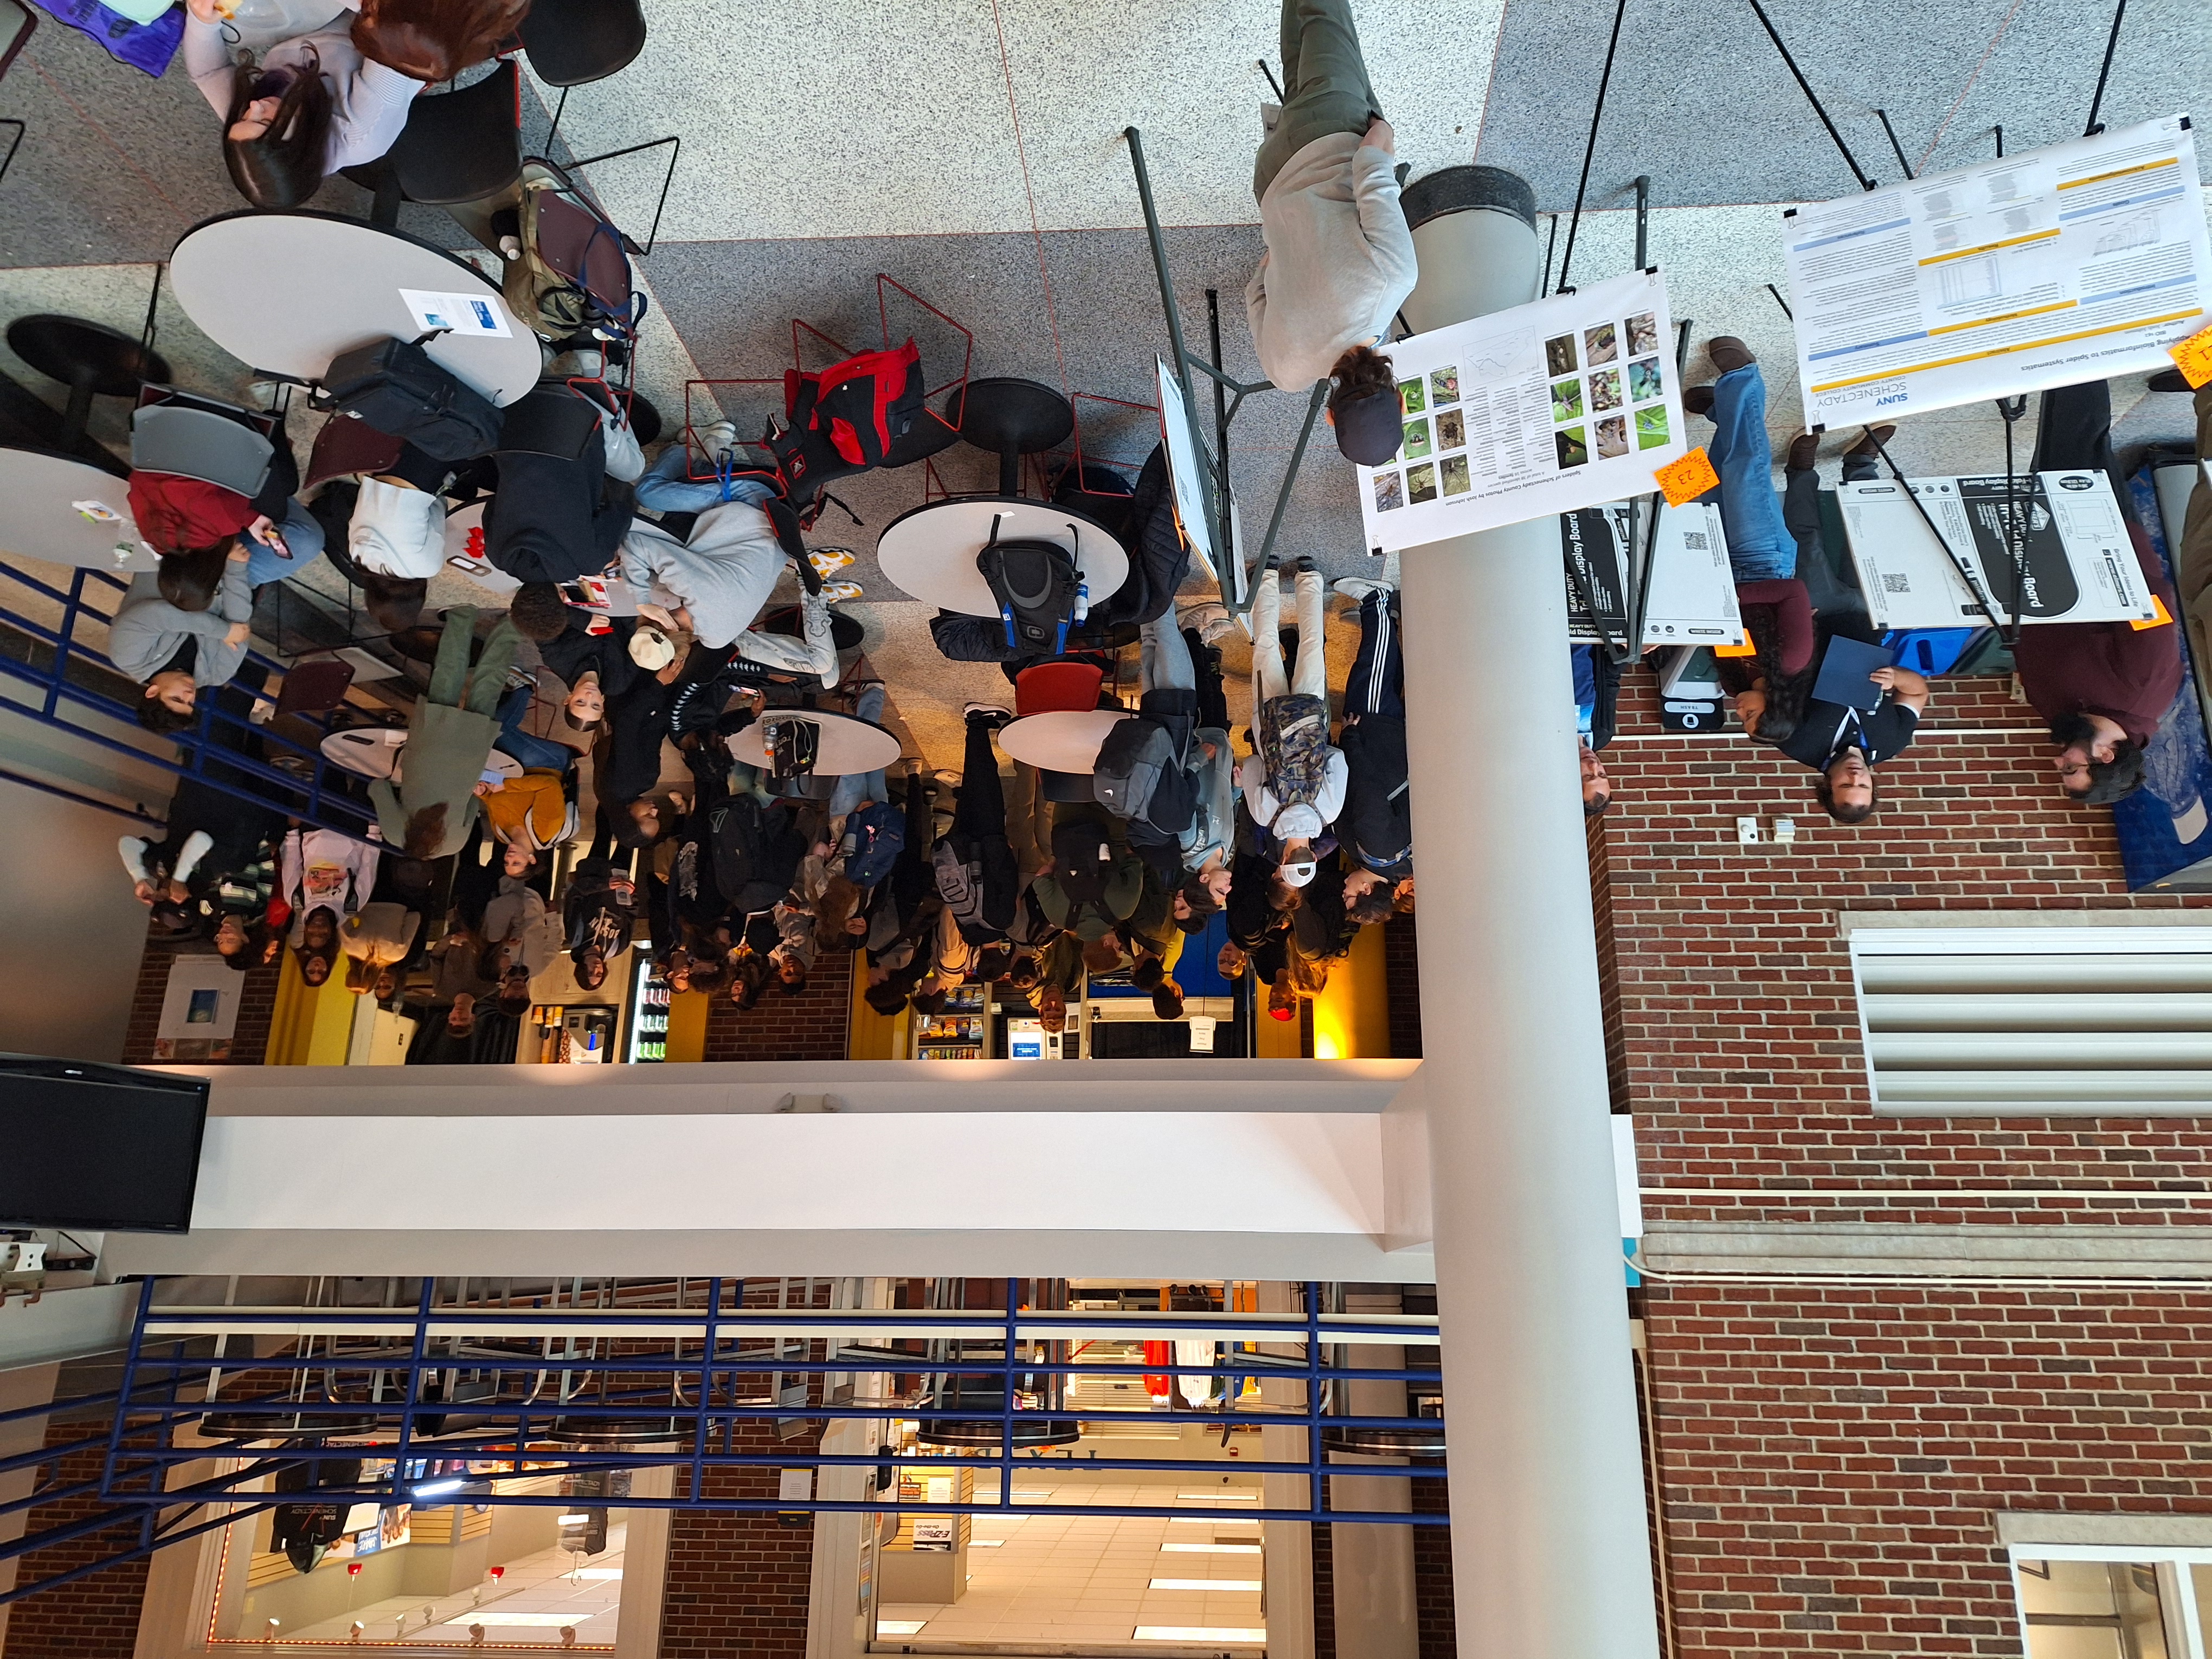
573 41
1011 418
91 359
461 146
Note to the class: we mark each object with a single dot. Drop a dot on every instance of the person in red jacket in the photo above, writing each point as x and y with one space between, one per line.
2104 686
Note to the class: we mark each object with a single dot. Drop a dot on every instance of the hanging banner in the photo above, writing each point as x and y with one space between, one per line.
1692 592
1565 402
2076 262
2078 564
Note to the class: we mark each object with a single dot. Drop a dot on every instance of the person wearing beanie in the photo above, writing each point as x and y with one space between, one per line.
1338 257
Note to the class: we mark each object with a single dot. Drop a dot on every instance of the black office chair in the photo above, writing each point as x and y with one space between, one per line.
461 146
573 41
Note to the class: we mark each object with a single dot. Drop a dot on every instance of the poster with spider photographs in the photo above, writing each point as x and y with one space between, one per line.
1565 402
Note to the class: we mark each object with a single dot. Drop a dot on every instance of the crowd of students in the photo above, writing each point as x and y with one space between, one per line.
1293 823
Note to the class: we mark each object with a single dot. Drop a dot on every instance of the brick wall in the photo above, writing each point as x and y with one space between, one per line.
812 1025
1402 980
1737 1034
1831 1457
95 1617
738 1583
256 1006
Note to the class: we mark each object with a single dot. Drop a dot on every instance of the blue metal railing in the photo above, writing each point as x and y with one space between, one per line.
386 1405
214 751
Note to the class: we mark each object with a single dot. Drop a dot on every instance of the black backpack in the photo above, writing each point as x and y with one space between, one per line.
394 387
844 419
1035 584
754 854
1133 762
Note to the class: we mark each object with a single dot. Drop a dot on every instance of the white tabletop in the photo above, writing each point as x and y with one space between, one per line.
930 553
1066 741
376 751
65 511
473 565
290 291
847 745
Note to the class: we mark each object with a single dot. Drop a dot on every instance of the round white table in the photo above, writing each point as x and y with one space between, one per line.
63 512
1066 741
377 751
929 553
288 292
848 744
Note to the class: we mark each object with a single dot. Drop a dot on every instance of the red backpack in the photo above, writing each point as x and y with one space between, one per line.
844 419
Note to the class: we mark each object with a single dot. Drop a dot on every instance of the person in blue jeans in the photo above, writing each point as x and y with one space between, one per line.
542 754
1760 546
668 487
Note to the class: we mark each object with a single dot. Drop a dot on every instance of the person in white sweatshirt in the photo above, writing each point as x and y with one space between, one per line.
297 112
1338 259
718 581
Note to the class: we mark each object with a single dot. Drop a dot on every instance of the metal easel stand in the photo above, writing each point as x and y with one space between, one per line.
1229 396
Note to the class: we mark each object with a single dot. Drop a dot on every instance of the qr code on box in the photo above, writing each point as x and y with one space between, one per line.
1694 540
1896 582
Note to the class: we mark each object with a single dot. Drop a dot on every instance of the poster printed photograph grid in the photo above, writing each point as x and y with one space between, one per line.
1565 402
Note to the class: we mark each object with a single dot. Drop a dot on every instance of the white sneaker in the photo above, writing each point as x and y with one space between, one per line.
1356 588
717 436
1211 620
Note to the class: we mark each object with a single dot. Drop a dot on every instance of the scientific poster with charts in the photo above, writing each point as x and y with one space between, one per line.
2076 262
1565 402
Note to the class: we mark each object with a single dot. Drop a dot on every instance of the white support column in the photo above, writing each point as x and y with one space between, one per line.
1550 1557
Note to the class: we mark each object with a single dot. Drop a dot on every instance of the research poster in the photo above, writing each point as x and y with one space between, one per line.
1565 402
2076 262
1692 592
2080 565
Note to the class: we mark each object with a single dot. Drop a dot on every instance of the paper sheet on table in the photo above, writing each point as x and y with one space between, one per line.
1184 471
463 313
2075 261
1692 599
1565 402
2080 565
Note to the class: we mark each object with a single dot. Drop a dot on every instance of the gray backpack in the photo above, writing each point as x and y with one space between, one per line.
1130 764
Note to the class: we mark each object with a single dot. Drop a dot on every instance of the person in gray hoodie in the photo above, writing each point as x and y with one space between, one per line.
173 653
1338 259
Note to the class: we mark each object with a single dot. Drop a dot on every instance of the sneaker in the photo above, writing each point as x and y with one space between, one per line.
1730 354
1356 588
717 436
1873 436
1301 566
840 592
829 561
997 713
1804 452
2169 379
1697 399
946 778
1211 620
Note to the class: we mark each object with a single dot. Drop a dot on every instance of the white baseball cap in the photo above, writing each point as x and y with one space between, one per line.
651 649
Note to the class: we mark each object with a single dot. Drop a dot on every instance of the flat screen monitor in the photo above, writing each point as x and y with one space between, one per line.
98 1147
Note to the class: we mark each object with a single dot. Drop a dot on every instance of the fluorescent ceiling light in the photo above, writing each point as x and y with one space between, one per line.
493 1616
1221 1497
1208 1583
1210 1549
572 1520
437 1489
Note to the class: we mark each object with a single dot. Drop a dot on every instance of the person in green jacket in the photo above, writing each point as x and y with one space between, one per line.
428 815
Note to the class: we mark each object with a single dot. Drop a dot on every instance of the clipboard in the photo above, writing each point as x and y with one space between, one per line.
1846 673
